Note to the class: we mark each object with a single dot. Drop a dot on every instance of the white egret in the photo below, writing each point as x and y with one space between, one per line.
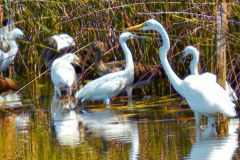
110 85
60 42
6 58
204 96
190 50
62 72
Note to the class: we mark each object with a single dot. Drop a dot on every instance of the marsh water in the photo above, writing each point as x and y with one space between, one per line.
154 128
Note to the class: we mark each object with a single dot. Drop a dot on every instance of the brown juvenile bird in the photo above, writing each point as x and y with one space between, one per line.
7 84
141 71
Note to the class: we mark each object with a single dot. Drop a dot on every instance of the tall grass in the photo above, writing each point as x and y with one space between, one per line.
187 22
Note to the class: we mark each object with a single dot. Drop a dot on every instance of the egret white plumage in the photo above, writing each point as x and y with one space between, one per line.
205 97
60 42
62 72
190 50
110 85
6 58
4 33
63 41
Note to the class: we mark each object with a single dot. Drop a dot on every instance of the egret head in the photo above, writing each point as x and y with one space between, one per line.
68 39
62 41
148 25
190 50
71 58
16 33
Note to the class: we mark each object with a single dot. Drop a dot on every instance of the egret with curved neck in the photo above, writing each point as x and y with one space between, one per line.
205 97
6 58
190 50
63 74
110 85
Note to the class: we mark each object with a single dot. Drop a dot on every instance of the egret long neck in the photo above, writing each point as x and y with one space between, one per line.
163 51
128 56
13 48
194 64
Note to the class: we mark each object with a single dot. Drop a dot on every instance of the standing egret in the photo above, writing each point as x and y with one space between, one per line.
6 58
110 85
190 50
62 73
204 96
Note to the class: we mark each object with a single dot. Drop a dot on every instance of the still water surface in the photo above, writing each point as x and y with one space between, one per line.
50 129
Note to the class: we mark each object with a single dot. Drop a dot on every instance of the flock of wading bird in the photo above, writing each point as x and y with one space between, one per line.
203 94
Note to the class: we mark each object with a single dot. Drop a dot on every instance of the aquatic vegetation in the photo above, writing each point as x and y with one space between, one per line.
187 23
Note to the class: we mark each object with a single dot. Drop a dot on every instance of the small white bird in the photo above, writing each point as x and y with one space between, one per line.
62 72
190 50
110 85
60 42
204 96
6 58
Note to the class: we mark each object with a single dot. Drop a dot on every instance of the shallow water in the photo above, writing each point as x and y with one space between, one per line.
152 129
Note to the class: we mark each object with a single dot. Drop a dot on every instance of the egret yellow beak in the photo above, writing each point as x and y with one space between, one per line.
139 26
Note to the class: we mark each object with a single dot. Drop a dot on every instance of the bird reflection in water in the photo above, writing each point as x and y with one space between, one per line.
22 122
210 146
65 122
10 100
72 126
108 125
